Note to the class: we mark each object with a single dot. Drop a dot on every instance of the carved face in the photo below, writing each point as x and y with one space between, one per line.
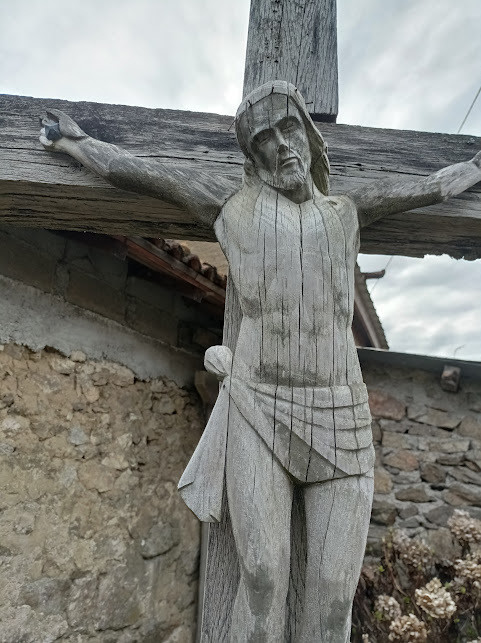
278 142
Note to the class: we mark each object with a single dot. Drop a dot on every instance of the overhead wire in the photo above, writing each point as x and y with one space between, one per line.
385 268
469 110
459 130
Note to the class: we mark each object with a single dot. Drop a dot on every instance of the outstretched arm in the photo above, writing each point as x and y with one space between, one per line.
388 196
197 193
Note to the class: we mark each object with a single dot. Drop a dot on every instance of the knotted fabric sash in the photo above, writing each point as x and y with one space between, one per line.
316 433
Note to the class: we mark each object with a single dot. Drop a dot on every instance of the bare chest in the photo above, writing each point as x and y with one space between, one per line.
280 245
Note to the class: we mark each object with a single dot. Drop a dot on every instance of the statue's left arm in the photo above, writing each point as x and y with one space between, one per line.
388 196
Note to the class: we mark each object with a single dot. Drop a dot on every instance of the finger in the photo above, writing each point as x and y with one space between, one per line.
54 115
44 140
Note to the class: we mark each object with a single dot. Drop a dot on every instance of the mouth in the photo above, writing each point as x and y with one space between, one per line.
290 160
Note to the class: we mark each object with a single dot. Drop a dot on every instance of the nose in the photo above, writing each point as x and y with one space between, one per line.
281 142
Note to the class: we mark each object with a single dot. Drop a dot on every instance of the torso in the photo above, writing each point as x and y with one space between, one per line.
293 269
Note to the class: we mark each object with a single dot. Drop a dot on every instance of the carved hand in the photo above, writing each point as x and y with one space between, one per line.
59 131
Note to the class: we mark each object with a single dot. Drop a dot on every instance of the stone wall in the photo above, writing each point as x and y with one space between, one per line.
58 291
428 448
95 542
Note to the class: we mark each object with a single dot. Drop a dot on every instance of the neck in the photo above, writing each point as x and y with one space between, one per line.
299 194
302 192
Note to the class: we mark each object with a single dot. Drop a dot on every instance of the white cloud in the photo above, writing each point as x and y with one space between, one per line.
403 64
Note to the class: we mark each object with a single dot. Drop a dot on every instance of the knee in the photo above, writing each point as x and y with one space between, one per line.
266 586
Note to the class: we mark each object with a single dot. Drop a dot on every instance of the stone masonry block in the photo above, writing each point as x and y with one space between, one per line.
90 293
47 243
386 406
23 262
150 293
470 427
402 459
434 417
151 321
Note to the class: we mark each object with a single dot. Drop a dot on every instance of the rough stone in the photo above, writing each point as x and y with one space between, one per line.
72 487
62 365
382 481
463 474
470 427
383 512
409 523
47 595
164 406
90 392
376 431
78 356
407 477
96 476
451 459
392 440
413 494
425 430
462 494
408 511
433 473
116 461
159 540
440 515
21 624
118 604
434 417
374 539
78 436
443 544
402 459
448 446
474 401
82 603
386 406
391 425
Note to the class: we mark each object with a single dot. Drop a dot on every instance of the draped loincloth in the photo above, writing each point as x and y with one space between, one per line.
316 434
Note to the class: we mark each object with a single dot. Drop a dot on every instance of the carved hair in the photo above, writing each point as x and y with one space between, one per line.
319 161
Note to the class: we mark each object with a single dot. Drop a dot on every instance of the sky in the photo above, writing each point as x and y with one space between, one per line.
404 64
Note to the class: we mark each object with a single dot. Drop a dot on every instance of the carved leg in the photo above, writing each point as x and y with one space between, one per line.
337 520
260 501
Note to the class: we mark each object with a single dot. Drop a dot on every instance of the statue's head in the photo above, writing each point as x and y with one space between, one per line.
279 140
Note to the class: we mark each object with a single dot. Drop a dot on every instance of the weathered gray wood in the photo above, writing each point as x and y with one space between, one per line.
221 571
292 408
295 40
48 190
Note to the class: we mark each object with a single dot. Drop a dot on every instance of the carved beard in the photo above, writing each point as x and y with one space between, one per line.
285 181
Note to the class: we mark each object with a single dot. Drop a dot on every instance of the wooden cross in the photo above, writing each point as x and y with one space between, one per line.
290 40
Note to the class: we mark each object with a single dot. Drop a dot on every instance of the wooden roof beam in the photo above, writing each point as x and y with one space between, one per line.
38 189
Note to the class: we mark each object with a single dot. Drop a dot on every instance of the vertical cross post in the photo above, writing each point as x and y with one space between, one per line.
293 40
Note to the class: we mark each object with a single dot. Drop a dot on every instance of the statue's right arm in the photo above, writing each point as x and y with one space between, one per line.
198 193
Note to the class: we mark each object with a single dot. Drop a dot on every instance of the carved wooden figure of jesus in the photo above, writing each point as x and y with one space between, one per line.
292 409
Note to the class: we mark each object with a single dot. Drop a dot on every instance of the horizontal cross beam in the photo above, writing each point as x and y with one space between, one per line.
41 189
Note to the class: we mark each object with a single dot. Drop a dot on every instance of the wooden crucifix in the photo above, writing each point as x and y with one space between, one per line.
289 441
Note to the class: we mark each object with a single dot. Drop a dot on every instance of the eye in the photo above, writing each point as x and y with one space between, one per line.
261 137
289 125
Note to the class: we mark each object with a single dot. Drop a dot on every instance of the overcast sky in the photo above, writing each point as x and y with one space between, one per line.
405 64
